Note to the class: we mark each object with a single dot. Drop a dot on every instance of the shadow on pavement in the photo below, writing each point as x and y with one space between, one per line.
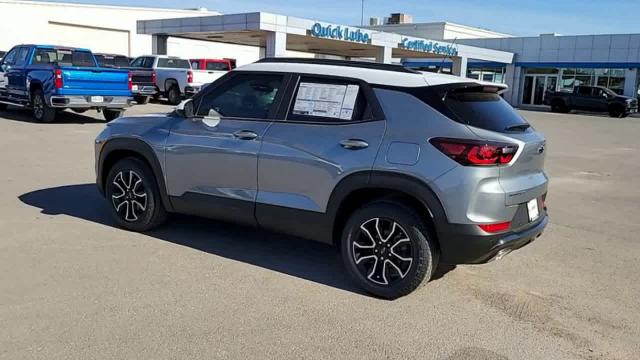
304 259
63 117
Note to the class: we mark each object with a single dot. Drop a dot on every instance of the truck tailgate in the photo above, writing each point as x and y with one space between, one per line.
94 81
204 77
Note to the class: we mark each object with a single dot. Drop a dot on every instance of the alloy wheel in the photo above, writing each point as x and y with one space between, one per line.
382 251
38 107
129 195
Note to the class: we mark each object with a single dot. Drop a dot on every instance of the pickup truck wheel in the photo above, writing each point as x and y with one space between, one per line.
141 99
111 114
3 107
41 111
388 249
173 95
133 196
559 107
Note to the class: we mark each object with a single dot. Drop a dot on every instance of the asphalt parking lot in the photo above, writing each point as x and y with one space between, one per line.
73 286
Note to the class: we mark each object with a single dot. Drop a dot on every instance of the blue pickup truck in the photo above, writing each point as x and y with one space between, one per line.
49 79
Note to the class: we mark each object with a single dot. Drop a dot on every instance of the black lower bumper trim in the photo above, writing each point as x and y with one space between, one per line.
463 244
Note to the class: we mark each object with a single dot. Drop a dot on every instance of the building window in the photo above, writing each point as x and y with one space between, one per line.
495 75
572 77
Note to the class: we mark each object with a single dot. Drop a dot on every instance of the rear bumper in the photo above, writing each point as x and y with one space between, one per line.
191 90
467 244
148 90
81 101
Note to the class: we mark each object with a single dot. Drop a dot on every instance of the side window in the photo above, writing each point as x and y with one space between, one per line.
584 91
195 64
318 99
243 96
11 57
21 57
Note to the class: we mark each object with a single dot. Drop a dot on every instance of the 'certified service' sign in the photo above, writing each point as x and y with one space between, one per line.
429 46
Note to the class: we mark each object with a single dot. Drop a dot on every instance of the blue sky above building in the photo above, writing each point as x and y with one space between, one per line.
517 17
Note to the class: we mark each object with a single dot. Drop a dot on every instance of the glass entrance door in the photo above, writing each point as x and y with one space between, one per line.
535 88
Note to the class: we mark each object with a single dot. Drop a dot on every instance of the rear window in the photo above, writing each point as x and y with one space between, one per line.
471 105
112 61
217 66
174 63
64 57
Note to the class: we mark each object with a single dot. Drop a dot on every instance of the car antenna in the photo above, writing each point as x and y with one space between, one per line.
447 57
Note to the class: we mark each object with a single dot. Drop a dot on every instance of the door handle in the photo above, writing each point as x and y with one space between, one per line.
354 144
245 135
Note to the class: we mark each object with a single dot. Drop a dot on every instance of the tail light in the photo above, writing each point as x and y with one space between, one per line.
476 153
189 76
154 77
495 228
130 82
58 83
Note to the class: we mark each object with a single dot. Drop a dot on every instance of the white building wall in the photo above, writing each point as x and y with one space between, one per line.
110 29
440 31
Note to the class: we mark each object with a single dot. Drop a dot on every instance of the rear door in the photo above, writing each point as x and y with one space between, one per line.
212 161
16 78
7 64
333 128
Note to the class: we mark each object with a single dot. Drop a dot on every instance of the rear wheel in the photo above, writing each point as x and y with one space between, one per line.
111 114
388 250
133 196
141 100
3 107
173 95
41 111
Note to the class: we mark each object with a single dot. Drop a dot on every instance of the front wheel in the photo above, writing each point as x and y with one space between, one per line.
41 111
111 114
388 249
133 196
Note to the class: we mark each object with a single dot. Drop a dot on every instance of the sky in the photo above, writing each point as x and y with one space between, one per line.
516 17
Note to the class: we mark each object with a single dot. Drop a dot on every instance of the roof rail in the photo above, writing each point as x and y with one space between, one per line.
349 63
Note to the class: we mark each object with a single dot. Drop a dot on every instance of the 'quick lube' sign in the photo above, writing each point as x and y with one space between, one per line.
429 46
340 33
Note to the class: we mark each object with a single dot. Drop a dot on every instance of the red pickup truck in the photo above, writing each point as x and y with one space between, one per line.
212 64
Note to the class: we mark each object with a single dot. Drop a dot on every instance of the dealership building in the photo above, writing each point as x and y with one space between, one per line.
529 65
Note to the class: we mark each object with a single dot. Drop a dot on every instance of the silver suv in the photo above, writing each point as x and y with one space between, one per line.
400 169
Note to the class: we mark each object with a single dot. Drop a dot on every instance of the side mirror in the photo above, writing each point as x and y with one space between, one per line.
185 109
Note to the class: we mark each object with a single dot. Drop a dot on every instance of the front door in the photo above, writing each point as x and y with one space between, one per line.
332 130
212 161
7 63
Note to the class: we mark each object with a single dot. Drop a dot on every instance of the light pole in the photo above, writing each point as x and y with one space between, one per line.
362 14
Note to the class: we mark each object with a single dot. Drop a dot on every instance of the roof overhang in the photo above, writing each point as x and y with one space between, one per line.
312 36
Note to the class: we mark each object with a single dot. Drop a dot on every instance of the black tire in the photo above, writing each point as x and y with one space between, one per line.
364 268
173 95
111 114
141 99
122 190
41 111
3 107
79 111
616 112
559 107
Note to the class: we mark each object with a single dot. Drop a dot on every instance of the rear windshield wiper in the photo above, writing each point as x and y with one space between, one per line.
521 127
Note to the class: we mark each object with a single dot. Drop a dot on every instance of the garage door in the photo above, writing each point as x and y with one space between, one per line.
99 40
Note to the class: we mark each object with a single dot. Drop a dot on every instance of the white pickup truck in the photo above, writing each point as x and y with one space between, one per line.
174 77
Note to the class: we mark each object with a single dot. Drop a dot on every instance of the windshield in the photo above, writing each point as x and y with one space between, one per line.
64 57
